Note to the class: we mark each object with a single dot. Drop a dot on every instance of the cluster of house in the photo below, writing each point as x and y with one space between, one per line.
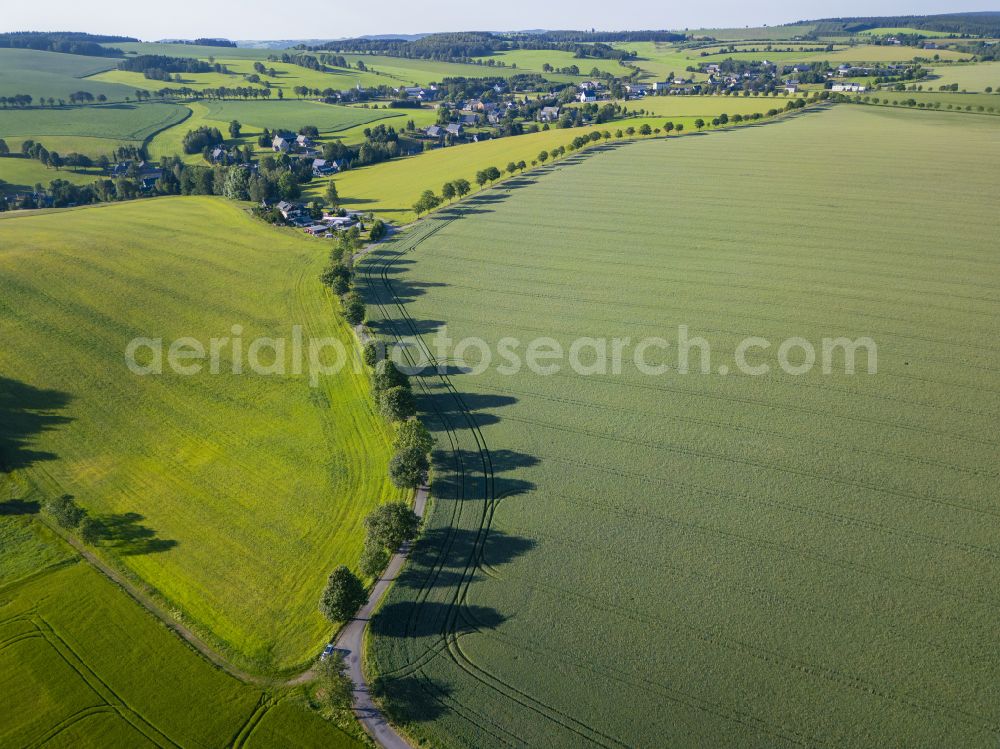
469 114
147 174
305 148
298 215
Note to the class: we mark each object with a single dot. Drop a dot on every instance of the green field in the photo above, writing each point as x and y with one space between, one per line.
981 103
968 77
346 123
81 665
21 174
38 74
288 77
892 30
390 188
93 129
228 496
707 559
292 115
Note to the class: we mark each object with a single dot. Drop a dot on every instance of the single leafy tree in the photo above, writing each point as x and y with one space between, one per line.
374 559
343 596
331 194
390 524
448 191
412 434
396 403
354 308
89 530
378 230
373 353
338 689
387 375
408 468
4 148
64 511
462 187
234 129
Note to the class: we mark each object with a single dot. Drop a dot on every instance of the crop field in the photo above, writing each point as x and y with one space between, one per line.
887 30
391 187
28 71
968 77
292 115
288 77
78 659
715 558
99 127
532 60
702 106
228 496
977 103
657 60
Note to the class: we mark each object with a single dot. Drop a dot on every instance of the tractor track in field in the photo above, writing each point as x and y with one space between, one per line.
377 275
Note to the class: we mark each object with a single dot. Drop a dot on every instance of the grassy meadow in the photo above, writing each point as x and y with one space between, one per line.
229 497
93 129
975 77
20 174
82 665
711 559
56 75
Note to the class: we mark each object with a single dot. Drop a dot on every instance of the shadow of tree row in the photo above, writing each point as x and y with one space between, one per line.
25 413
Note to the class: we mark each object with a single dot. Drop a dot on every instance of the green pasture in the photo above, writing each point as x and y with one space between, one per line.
288 77
291 115
621 558
82 665
974 77
53 74
228 496
702 106
92 129
980 103
21 174
892 30
532 60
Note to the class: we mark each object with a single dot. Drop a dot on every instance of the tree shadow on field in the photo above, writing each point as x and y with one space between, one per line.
126 535
466 550
19 507
411 699
25 413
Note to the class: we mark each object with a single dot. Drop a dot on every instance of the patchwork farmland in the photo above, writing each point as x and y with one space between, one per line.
709 458
75 657
628 560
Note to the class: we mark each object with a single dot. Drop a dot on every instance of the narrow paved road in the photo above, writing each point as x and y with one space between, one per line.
351 640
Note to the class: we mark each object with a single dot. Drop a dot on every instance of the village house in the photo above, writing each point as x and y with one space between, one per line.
280 145
548 114
323 168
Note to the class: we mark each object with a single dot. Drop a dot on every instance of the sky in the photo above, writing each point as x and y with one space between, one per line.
321 19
